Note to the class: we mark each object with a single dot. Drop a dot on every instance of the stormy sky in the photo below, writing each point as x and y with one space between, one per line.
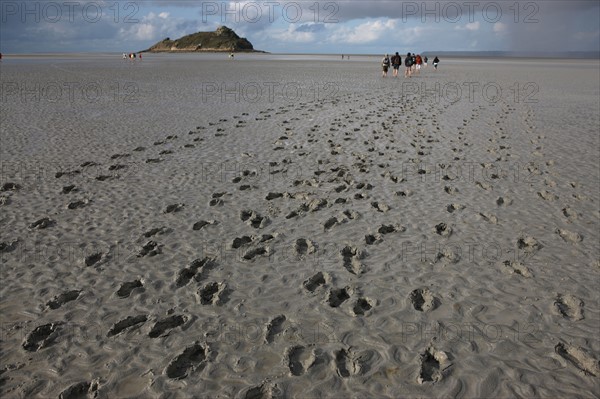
355 27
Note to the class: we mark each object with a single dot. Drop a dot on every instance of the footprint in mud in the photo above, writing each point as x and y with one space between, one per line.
579 358
216 202
299 359
203 223
41 337
153 160
362 306
174 208
443 230
404 193
570 214
315 205
92 259
315 281
262 391
380 207
163 327
186 274
351 257
240 241
151 248
69 189
389 228
63 298
275 327
503 201
329 223
77 204
528 244
547 195
569 306
127 287
345 364
10 187
107 177
484 186
117 167
423 300
450 190
371 239
337 296
454 207
42 223
212 293
8 246
126 323
517 268
156 231
433 364
254 219
272 196
304 247
191 359
569 236
254 252
81 390
488 217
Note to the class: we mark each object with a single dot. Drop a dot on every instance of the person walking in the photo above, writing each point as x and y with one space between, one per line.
396 62
385 65
419 61
436 61
408 65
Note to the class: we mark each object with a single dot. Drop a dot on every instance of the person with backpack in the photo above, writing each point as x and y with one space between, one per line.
385 64
396 62
419 62
408 65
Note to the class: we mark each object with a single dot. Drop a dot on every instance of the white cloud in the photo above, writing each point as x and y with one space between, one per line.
366 32
499 27
290 35
472 26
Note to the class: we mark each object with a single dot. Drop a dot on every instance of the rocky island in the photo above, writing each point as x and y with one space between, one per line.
223 39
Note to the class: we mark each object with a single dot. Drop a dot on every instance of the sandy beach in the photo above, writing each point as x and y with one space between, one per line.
280 226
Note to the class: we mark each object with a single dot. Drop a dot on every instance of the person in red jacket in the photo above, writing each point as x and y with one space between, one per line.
419 62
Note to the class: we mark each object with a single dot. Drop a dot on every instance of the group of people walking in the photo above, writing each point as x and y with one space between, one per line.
132 56
412 63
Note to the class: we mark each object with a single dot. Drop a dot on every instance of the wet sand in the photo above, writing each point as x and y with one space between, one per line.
279 227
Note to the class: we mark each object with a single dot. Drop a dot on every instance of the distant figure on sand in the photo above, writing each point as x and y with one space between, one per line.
385 64
425 61
436 61
419 61
396 62
408 65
